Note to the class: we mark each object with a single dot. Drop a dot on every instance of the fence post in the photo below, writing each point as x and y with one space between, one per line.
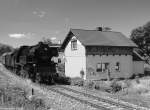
2 99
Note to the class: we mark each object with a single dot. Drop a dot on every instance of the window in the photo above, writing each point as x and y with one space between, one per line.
99 67
102 67
117 66
74 45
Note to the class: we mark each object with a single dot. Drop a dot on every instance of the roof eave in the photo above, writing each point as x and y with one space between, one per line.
65 42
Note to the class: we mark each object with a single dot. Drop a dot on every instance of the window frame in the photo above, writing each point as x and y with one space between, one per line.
117 67
102 67
74 44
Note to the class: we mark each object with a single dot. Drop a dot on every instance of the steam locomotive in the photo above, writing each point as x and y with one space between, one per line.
34 62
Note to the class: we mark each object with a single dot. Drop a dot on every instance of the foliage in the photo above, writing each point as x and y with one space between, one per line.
89 84
37 102
16 97
77 81
5 48
102 86
63 80
141 36
115 87
97 86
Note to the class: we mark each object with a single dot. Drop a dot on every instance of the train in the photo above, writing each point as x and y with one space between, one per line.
35 62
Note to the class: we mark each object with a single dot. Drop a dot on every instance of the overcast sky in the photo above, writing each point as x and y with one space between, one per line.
25 22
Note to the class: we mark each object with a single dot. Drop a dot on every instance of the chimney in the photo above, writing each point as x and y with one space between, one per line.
99 28
103 29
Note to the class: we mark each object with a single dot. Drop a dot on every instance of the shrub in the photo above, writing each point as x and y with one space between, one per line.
115 87
133 76
37 103
97 86
77 81
63 80
89 84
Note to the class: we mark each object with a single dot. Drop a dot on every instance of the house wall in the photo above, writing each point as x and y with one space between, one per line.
75 60
59 59
126 66
138 67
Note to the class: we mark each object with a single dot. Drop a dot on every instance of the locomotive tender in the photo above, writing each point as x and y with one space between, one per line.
33 62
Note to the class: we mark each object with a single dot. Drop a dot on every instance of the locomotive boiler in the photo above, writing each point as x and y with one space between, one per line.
34 62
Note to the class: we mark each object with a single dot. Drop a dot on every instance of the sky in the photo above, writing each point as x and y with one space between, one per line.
25 22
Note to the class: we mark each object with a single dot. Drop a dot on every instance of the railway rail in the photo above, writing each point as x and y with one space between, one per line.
83 99
94 101
89 99
124 105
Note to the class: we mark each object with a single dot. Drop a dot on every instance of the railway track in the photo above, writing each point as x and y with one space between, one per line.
94 101
83 99
105 100
86 98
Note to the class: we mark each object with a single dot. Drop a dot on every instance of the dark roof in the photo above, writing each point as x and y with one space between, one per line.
100 38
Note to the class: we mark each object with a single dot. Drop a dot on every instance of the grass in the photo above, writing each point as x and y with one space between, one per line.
136 91
14 92
14 95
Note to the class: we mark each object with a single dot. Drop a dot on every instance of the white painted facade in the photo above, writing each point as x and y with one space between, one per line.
75 60
138 67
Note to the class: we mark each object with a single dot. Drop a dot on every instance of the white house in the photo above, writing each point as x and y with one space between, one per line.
97 53
138 63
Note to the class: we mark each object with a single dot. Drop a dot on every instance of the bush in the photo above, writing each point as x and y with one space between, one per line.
38 102
77 81
102 86
97 86
115 87
133 76
63 80
89 84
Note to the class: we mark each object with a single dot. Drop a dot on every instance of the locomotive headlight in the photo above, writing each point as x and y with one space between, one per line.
34 65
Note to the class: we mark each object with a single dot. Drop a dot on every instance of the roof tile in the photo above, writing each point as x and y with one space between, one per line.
102 38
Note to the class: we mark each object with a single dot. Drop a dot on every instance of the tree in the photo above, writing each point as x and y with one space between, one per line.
5 48
141 36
